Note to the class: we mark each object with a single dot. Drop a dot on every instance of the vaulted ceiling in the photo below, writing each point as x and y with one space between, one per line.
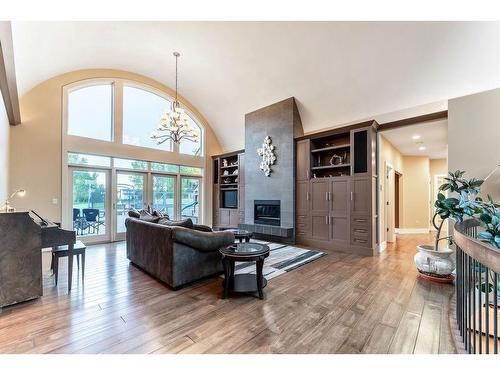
337 71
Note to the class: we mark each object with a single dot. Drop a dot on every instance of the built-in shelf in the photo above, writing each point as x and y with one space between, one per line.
347 145
229 175
229 189
331 167
229 166
230 184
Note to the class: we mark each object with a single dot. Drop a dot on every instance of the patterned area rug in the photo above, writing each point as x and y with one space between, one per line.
282 258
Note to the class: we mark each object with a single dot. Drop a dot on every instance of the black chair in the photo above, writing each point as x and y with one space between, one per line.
92 219
77 220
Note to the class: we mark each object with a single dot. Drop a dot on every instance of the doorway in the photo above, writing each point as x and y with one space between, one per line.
389 202
397 196
130 194
90 190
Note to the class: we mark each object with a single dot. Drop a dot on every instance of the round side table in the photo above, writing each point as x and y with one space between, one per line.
244 283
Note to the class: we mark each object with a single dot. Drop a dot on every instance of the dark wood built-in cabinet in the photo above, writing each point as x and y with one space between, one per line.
336 190
228 190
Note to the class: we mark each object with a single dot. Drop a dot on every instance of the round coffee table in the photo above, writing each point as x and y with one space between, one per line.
241 234
244 283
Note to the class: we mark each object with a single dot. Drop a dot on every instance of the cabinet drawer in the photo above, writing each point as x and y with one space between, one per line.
365 242
361 221
302 219
361 233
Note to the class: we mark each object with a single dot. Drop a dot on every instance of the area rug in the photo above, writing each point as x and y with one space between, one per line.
282 258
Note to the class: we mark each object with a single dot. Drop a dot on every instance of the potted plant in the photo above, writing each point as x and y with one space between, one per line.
436 263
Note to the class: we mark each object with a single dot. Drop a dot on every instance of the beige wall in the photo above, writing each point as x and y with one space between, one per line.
473 137
416 194
38 167
388 154
4 152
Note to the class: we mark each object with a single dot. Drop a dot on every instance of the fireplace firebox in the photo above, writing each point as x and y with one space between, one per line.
267 212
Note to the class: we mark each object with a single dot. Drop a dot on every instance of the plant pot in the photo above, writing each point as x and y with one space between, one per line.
439 263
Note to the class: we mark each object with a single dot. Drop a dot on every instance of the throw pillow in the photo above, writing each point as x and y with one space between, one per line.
160 214
187 223
150 218
134 213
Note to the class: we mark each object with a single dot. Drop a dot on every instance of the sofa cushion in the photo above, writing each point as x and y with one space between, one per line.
202 241
160 214
134 213
187 223
202 228
150 218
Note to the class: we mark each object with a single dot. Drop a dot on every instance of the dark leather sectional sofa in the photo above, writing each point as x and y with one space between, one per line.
174 254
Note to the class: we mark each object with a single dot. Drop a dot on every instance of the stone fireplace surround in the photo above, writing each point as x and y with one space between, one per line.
280 121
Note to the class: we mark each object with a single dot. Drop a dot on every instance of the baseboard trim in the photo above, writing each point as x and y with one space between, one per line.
411 230
382 246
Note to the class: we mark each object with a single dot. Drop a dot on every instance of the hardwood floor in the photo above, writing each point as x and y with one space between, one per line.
338 304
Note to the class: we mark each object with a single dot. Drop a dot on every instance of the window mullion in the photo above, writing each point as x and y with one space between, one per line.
118 112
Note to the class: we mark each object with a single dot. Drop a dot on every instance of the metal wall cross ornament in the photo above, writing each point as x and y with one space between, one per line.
268 156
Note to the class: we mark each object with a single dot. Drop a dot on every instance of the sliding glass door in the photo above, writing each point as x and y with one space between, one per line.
89 190
130 194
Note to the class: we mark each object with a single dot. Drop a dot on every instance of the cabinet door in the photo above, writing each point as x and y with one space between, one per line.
302 198
233 218
241 204
360 151
319 196
303 163
340 191
241 169
320 227
224 218
361 196
340 197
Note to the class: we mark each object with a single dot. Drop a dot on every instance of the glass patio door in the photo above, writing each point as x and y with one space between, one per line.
190 198
90 191
164 194
130 193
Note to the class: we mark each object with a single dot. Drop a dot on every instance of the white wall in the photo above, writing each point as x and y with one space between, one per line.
474 137
4 152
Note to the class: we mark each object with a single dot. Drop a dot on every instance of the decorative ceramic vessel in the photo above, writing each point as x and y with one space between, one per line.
433 263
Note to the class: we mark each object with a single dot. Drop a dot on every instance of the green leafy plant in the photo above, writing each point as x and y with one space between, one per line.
467 203
490 216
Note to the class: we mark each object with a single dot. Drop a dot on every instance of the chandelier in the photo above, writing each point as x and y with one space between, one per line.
174 123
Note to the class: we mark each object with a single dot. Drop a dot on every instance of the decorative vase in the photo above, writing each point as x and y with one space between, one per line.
435 264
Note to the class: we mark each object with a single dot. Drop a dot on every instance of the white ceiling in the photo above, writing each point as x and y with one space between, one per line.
338 71
433 136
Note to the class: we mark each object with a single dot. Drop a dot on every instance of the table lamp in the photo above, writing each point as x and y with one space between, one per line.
6 207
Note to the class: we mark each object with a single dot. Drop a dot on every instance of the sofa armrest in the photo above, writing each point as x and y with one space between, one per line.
202 241
202 228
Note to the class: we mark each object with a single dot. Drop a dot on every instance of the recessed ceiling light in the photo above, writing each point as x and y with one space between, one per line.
415 137
421 148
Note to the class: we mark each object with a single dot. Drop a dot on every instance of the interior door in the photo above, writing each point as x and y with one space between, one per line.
90 193
130 194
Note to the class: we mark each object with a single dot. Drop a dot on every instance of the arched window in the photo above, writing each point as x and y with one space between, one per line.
90 111
142 110
189 147
123 112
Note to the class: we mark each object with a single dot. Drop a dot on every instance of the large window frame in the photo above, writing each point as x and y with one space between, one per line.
116 148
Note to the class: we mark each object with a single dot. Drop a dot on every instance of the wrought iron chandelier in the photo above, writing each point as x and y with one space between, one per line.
174 123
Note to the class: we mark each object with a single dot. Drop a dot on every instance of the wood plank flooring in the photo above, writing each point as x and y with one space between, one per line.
340 303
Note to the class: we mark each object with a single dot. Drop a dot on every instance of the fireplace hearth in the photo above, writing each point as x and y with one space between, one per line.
267 212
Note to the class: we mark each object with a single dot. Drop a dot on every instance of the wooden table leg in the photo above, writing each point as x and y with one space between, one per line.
70 265
260 266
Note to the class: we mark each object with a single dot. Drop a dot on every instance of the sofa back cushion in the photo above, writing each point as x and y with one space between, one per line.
187 223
